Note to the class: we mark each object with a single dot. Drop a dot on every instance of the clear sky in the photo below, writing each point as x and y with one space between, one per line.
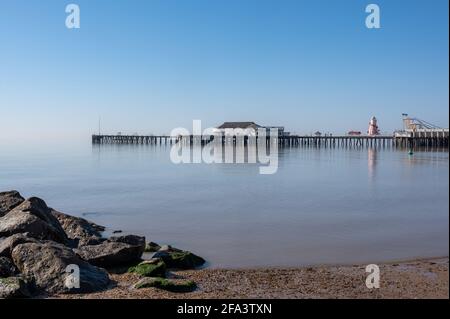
150 66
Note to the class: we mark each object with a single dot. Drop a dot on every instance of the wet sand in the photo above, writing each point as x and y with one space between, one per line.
427 278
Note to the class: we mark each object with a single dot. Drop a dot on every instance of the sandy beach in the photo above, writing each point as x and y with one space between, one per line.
427 278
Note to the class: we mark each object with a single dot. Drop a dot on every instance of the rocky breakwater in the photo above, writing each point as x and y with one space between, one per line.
45 252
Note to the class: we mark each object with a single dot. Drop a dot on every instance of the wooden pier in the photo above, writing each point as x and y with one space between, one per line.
424 140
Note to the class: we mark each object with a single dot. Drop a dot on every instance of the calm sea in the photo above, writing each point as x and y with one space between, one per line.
326 205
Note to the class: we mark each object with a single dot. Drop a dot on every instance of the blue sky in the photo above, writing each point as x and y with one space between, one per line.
150 66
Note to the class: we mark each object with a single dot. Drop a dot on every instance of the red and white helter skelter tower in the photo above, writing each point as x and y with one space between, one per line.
373 127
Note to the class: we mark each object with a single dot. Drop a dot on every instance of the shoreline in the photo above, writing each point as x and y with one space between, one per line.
324 265
419 278
33 234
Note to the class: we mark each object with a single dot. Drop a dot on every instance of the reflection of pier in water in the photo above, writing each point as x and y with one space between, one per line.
372 161
431 141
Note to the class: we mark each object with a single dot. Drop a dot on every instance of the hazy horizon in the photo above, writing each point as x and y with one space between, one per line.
148 67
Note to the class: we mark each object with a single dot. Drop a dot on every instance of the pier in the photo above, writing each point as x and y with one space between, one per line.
422 139
416 133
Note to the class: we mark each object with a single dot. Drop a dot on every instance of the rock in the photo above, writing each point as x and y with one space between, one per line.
33 217
152 247
169 249
151 261
117 232
79 230
129 239
150 269
7 268
172 285
7 244
9 200
185 260
116 251
39 208
179 259
47 263
17 221
13 287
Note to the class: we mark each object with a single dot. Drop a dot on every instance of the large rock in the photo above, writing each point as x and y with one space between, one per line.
39 208
47 264
79 230
116 251
9 200
7 244
35 218
7 268
179 259
13 287
16 222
